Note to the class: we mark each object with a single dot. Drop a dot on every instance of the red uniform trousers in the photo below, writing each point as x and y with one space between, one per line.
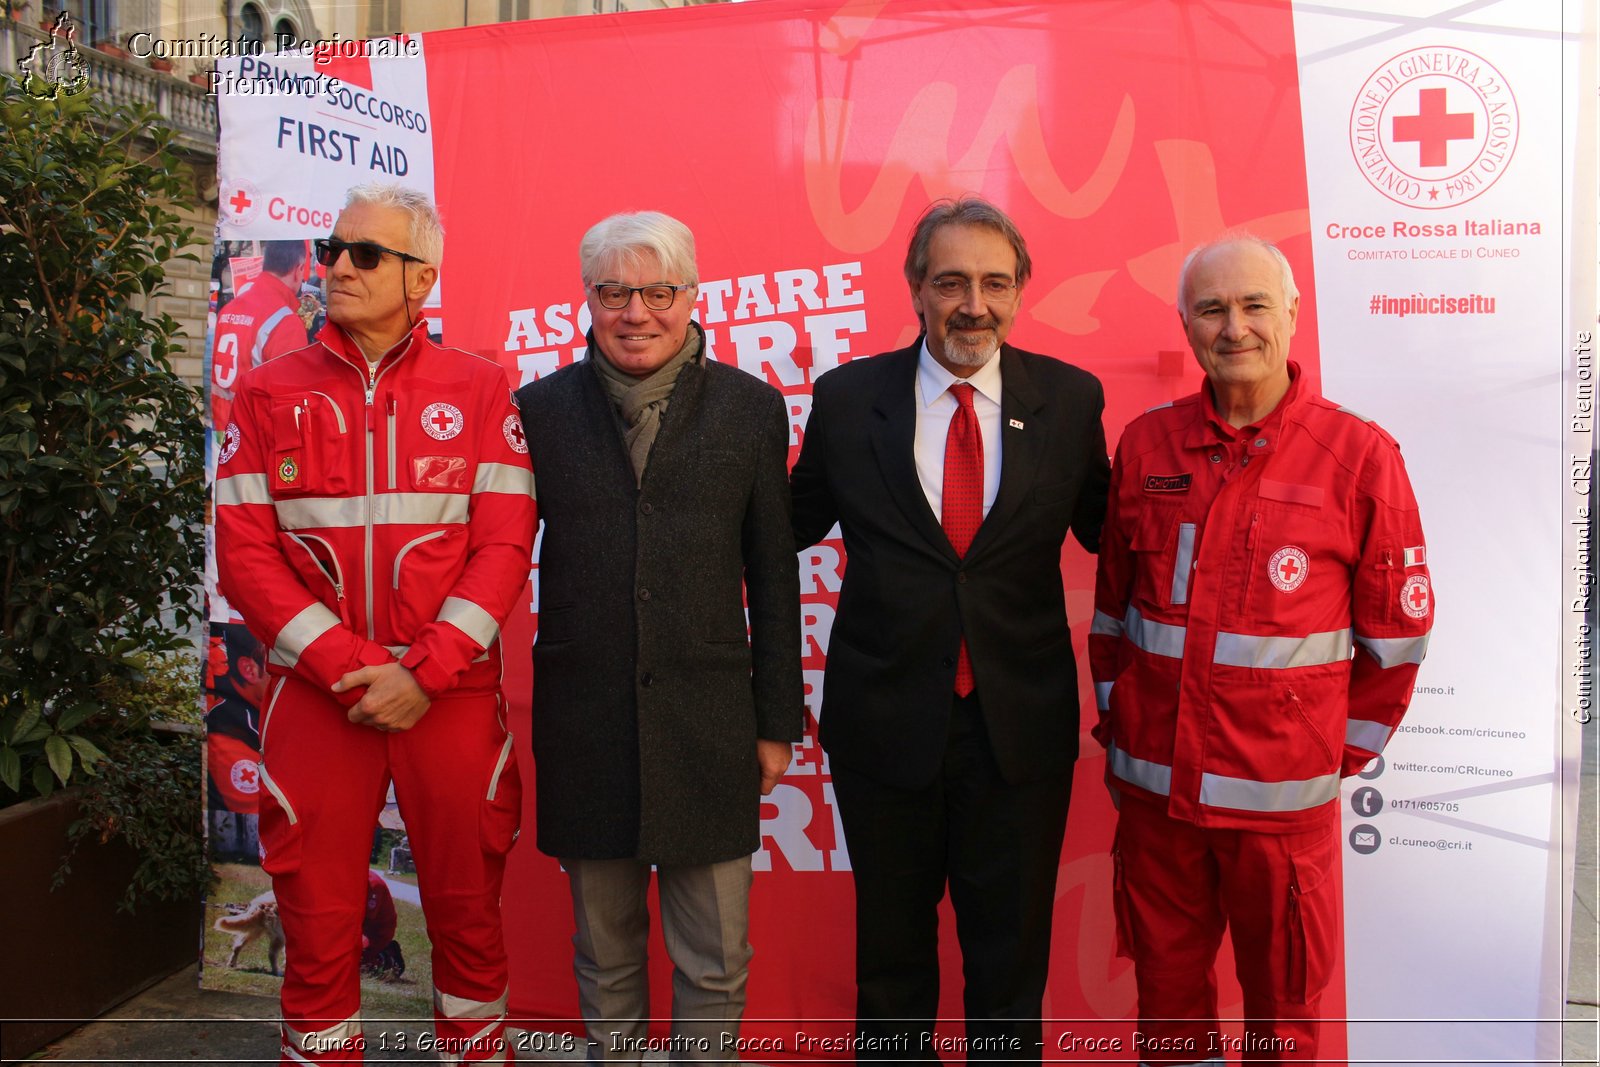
1178 885
325 780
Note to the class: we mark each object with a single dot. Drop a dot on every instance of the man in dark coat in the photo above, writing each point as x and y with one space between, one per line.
955 468
658 721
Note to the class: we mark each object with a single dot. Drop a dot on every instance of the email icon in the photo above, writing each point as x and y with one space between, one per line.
1366 840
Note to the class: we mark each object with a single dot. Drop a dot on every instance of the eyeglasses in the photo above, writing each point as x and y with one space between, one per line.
364 255
954 287
656 297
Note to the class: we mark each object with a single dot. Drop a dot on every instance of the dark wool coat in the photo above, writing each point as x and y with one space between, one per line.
648 696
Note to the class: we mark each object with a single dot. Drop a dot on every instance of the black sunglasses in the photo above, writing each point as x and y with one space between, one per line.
364 255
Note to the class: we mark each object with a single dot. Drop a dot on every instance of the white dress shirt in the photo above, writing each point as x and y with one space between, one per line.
936 406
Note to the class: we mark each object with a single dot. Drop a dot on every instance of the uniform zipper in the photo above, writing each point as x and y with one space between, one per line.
393 465
1249 561
372 387
283 801
336 579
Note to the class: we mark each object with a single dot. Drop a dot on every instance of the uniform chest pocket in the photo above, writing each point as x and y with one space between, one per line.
310 447
426 436
1291 552
1165 545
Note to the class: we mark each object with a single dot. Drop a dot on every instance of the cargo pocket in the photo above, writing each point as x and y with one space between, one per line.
1313 919
309 436
500 813
280 828
1119 900
425 569
1155 539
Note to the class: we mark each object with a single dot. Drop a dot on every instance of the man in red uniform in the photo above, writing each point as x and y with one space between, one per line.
375 520
1261 608
262 322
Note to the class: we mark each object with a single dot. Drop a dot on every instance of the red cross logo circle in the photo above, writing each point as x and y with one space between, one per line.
1416 597
230 442
1287 568
512 428
1433 127
244 776
243 201
441 421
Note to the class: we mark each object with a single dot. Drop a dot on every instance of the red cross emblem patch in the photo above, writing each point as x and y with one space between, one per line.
441 421
1287 568
1416 597
512 428
230 442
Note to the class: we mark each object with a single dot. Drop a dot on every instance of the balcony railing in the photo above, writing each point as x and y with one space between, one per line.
192 113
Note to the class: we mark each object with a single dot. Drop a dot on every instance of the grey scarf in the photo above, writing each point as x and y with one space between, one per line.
643 401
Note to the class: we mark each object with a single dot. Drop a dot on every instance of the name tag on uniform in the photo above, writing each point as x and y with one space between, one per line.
1167 483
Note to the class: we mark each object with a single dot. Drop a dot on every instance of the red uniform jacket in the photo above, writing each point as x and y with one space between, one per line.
1261 608
367 515
259 324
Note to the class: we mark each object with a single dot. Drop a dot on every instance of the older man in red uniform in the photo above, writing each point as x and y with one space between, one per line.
375 518
1262 605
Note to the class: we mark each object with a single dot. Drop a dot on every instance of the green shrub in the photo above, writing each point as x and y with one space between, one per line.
101 480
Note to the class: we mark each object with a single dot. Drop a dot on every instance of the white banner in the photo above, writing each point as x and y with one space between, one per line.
1434 155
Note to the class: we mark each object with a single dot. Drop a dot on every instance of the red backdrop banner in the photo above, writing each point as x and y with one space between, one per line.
800 141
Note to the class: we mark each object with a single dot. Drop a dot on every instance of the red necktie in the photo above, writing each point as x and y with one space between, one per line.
962 499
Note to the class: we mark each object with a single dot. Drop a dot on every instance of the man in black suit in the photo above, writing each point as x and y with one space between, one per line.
955 469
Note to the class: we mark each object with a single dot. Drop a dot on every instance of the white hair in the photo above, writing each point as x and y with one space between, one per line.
623 239
1235 237
427 232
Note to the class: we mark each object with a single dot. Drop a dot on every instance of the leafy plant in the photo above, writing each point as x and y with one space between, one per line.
148 794
101 480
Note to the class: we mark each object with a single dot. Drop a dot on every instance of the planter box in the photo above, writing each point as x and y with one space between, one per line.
70 955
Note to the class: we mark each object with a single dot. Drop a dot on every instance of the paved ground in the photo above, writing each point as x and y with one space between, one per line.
174 1022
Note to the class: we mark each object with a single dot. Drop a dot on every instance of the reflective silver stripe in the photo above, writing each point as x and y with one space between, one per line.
499 767
452 1007
1393 651
1355 414
273 788
503 478
1242 794
1282 653
299 632
388 509
455 1049
315 1041
1156 777
470 619
1158 407
1184 563
243 489
263 334
1102 695
1105 625
1366 734
1156 638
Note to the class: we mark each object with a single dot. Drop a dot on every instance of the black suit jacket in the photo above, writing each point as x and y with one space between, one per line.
907 599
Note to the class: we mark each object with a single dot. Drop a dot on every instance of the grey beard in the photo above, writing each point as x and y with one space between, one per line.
964 356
